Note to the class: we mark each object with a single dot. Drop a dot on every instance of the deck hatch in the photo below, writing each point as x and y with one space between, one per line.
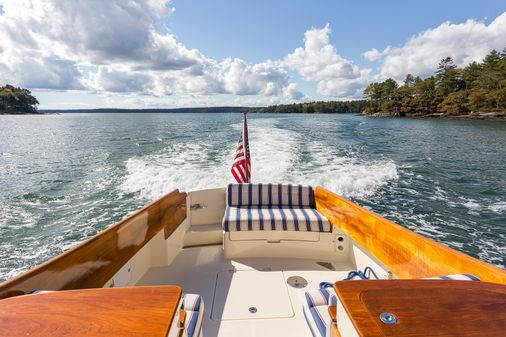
237 292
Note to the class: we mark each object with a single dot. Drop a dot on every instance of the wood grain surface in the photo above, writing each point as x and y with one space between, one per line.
113 312
425 307
334 331
405 253
93 262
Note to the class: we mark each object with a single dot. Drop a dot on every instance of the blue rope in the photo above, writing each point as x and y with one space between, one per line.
362 274
326 285
352 275
371 271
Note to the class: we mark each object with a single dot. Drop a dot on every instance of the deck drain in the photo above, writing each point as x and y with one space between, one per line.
252 310
297 281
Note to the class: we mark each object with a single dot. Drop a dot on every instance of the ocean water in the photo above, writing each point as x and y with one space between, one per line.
65 177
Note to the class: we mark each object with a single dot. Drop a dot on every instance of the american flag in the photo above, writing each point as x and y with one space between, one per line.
241 171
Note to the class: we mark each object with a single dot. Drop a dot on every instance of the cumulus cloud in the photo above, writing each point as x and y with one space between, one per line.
122 80
464 42
119 46
319 61
115 46
374 54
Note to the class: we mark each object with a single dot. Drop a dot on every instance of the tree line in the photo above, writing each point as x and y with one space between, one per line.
17 100
317 107
478 87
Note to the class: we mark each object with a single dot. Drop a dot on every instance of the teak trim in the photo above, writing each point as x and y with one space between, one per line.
405 253
95 261
424 307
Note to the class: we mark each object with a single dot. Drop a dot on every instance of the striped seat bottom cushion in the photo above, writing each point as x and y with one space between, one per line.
274 219
194 308
316 310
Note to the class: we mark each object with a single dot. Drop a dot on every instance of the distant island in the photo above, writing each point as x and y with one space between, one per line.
311 107
223 109
475 91
17 101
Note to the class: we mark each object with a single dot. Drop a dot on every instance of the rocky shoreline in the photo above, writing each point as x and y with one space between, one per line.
471 115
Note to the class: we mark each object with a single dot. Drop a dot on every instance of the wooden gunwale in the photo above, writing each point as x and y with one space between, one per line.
96 260
405 253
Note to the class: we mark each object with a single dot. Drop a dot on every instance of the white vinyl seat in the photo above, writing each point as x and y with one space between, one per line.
193 305
316 310
272 207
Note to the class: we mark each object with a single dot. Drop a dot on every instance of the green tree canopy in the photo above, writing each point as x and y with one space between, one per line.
17 100
480 86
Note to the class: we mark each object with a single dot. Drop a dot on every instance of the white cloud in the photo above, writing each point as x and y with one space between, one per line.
291 92
374 54
114 46
319 61
464 42
117 46
116 80
266 78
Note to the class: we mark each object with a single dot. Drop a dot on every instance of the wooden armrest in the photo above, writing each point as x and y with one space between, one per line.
182 319
334 331
332 313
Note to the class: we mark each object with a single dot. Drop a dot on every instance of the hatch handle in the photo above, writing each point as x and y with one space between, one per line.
197 206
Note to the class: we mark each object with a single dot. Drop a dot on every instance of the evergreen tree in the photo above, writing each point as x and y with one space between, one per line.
452 90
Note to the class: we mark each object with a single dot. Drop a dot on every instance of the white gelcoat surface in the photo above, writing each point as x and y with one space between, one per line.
237 291
196 269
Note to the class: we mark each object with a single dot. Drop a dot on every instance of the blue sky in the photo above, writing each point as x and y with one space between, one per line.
156 53
261 29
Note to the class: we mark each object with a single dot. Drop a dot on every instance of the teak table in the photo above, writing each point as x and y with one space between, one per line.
118 312
402 308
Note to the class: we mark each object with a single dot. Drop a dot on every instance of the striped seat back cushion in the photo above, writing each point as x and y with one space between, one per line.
269 195
456 277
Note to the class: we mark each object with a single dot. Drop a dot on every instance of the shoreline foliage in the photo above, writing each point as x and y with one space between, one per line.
17 100
452 91
317 107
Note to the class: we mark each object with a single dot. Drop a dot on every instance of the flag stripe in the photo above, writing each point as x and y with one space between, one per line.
241 167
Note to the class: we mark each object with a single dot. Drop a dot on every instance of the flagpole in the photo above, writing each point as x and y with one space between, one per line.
246 147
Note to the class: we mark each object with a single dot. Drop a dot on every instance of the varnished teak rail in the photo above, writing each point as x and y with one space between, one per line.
95 261
405 253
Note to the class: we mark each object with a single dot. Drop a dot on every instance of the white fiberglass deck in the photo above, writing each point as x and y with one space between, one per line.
230 287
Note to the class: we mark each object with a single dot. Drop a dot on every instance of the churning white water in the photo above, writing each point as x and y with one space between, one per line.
65 177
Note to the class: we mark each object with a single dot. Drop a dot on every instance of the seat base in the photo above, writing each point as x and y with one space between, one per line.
203 235
279 244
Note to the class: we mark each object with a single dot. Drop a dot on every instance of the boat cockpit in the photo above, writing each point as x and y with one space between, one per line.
255 260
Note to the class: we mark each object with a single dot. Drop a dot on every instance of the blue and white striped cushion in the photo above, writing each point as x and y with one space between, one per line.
316 310
270 195
194 307
460 277
274 218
